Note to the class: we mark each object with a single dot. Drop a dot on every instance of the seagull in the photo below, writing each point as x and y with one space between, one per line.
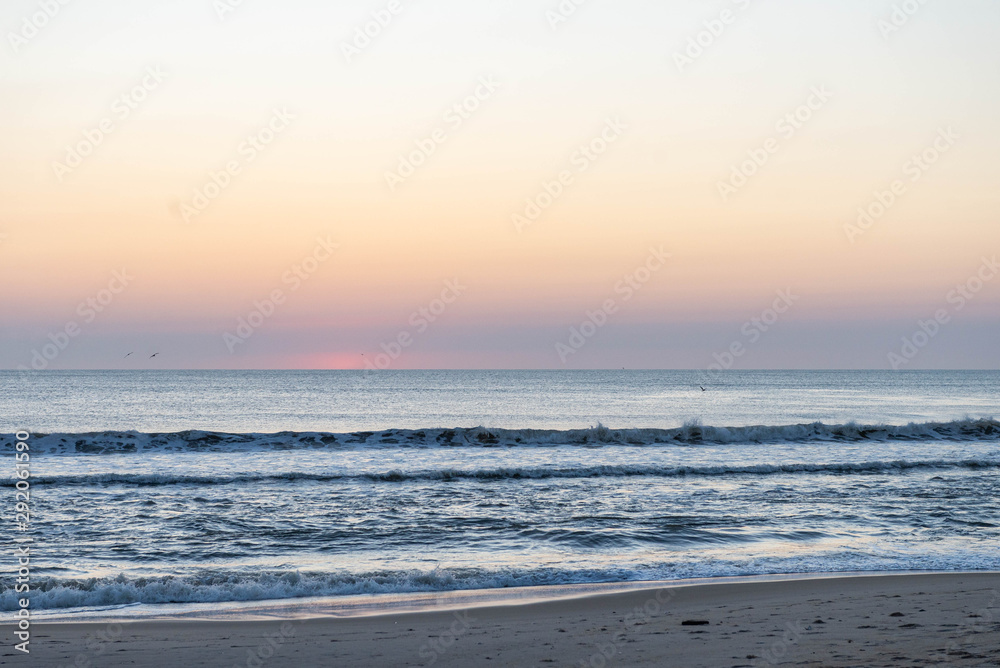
126 357
153 355
702 388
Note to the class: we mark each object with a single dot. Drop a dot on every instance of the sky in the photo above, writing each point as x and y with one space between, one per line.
499 184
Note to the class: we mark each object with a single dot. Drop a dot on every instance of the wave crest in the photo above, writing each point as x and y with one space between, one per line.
693 433
516 473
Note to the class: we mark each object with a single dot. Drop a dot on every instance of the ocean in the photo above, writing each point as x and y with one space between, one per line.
157 488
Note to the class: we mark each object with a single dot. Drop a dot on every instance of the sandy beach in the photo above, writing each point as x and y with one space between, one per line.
891 620
512 333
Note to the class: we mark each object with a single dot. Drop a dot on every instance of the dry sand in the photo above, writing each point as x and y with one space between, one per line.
892 620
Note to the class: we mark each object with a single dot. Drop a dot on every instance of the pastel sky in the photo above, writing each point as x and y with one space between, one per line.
93 183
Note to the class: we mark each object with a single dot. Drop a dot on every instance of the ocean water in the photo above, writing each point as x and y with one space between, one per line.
160 488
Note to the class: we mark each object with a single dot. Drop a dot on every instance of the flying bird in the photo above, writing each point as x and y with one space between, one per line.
702 388
126 357
153 355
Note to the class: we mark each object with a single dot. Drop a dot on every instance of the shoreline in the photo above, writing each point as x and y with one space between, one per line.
370 605
831 620
373 605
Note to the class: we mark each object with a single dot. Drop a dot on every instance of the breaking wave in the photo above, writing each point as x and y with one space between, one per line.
117 442
517 473
51 593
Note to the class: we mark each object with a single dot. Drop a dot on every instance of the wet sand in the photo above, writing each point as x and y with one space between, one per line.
891 620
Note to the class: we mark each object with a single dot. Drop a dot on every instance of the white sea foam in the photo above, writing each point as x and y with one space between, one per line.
107 442
233 586
515 473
